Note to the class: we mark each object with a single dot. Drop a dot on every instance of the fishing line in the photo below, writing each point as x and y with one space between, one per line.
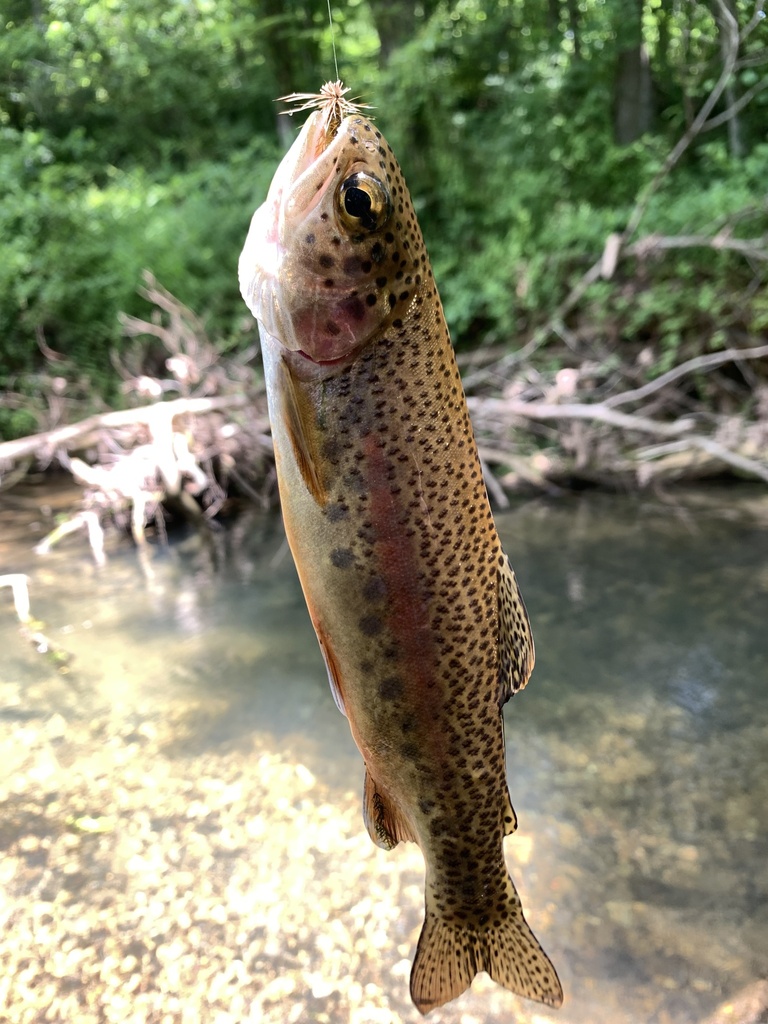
333 39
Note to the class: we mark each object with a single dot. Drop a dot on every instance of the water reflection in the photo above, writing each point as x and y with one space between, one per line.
234 880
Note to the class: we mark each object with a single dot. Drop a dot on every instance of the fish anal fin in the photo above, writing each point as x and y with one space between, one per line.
385 823
450 953
510 818
298 416
516 651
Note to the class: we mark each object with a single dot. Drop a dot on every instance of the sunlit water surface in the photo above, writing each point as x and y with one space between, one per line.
636 757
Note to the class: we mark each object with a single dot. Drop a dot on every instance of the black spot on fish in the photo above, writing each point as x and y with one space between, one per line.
336 512
310 239
391 688
342 558
375 589
326 261
438 826
370 300
371 625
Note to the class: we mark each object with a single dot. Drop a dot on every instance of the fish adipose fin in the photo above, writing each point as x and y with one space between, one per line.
516 653
386 825
451 953
297 415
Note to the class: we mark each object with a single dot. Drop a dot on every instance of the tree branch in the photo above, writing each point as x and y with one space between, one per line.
599 411
730 355
602 413
734 40
64 436
756 248
735 108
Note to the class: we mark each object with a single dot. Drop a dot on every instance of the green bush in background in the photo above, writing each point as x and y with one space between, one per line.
143 135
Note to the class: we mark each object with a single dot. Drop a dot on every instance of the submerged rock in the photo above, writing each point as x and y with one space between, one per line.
750 1006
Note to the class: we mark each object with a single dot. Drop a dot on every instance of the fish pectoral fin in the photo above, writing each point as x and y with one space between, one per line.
451 952
385 823
332 665
297 414
516 651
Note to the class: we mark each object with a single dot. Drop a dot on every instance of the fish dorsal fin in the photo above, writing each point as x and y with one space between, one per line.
298 415
516 653
386 825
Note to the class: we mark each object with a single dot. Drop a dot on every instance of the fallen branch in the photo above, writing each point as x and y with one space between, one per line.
753 248
730 355
86 520
30 629
554 325
66 436
510 409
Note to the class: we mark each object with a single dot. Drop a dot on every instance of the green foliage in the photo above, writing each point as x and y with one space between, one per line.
144 135
691 299
76 251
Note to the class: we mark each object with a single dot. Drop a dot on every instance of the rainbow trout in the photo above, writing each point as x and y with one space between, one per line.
415 605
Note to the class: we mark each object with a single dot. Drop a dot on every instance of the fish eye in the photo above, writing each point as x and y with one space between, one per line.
363 201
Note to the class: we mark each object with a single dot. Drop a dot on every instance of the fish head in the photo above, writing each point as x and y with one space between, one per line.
322 254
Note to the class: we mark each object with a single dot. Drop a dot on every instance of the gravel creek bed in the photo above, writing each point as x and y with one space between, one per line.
142 885
181 836
138 887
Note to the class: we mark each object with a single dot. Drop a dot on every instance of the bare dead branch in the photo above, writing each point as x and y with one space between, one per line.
554 324
733 40
735 108
510 409
752 248
66 436
731 355
748 466
600 412
757 18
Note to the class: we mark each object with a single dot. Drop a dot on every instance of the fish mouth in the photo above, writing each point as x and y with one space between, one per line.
323 362
305 367
299 184
312 172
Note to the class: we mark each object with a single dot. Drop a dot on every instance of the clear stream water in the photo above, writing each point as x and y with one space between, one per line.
636 757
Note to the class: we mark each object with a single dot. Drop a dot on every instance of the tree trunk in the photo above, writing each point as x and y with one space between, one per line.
736 145
633 87
396 23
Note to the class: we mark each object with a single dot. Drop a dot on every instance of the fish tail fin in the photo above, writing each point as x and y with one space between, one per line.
450 953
